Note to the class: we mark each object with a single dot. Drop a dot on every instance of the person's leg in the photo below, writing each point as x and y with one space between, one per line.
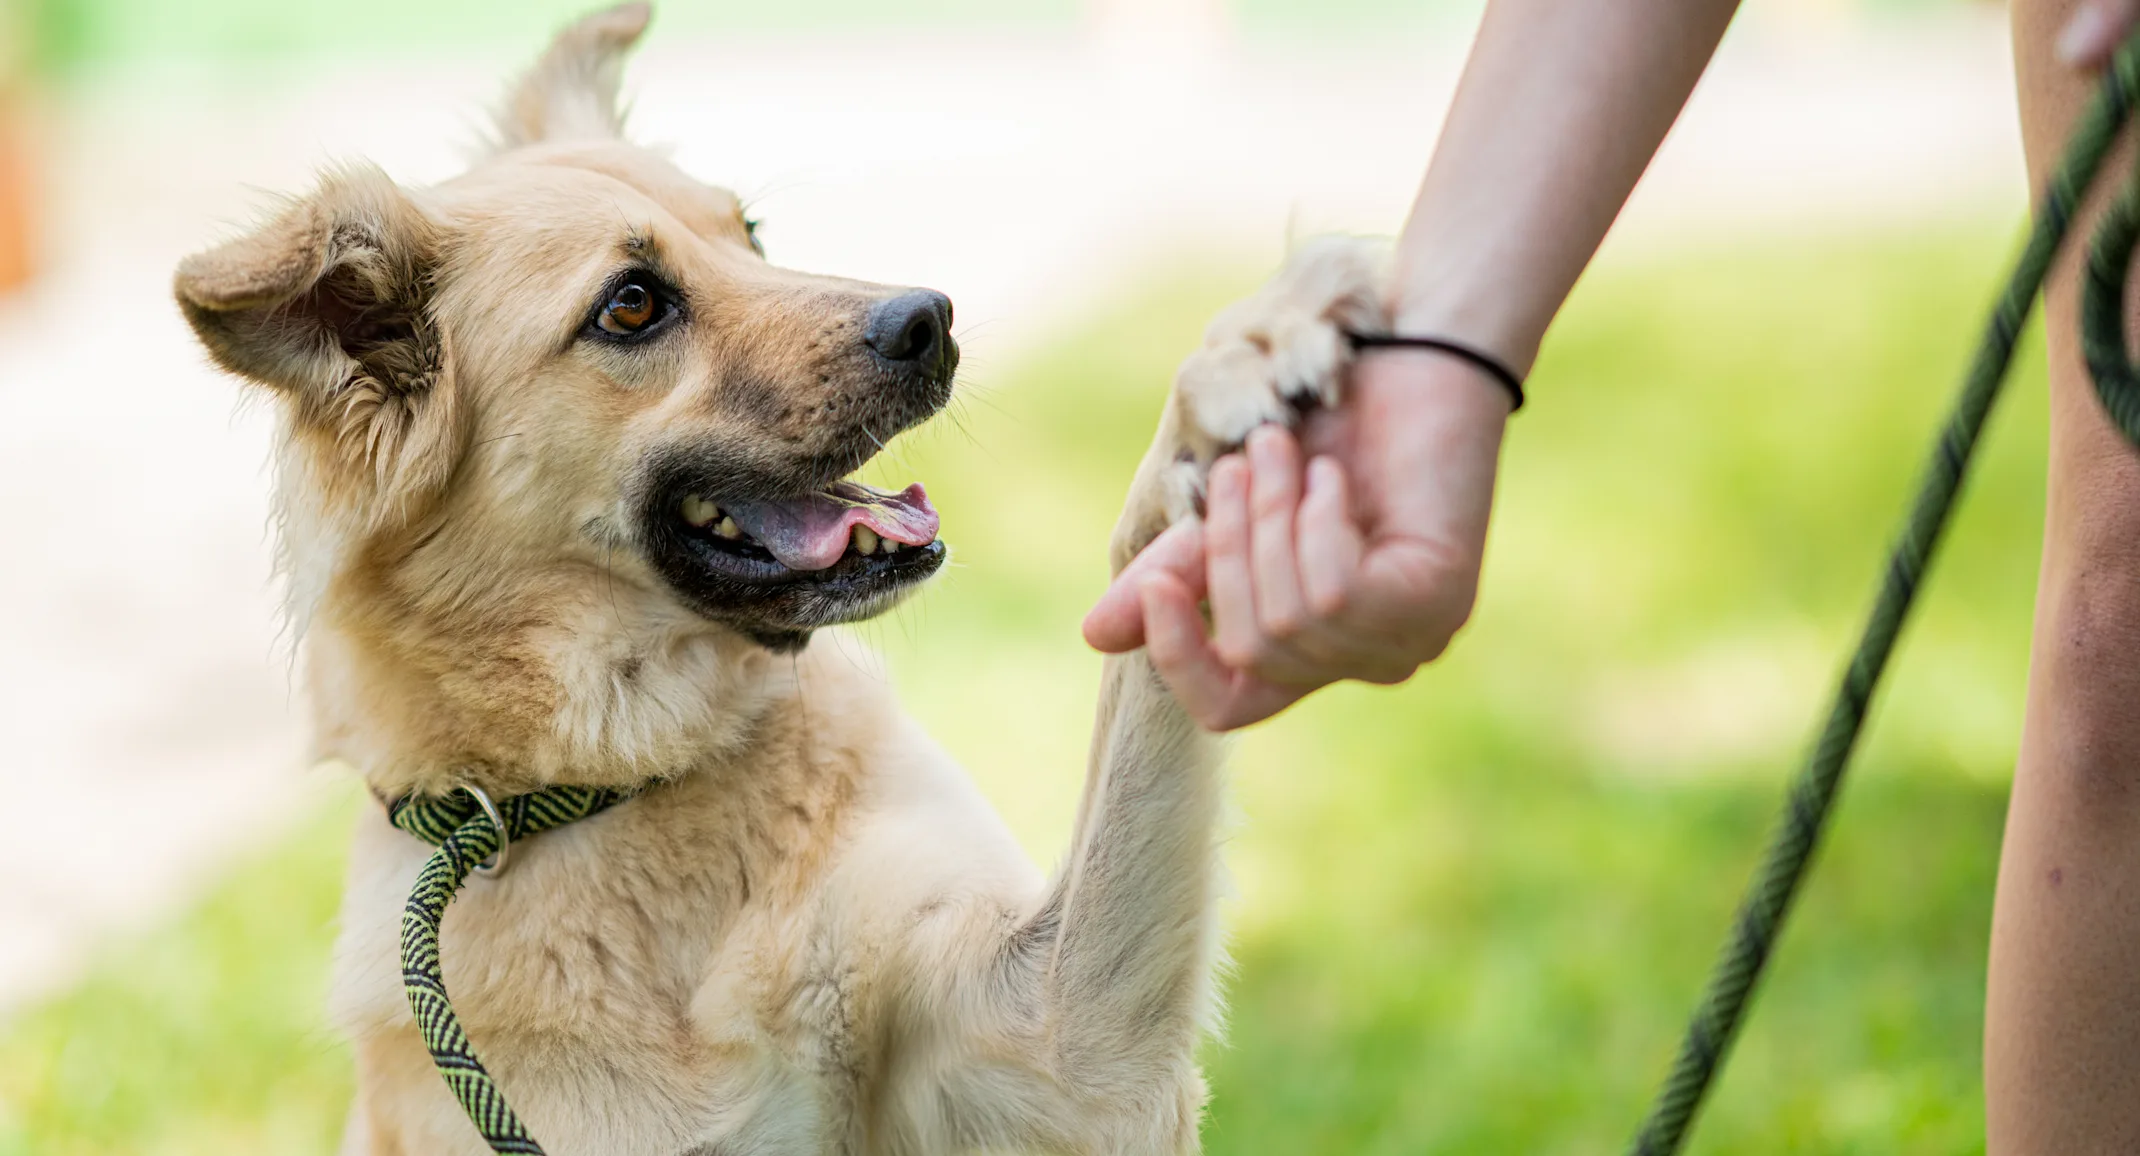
2062 1014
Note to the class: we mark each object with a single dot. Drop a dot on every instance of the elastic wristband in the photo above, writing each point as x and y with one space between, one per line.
1485 362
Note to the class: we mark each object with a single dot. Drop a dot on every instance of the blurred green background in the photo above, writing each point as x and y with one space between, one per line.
75 33
1472 911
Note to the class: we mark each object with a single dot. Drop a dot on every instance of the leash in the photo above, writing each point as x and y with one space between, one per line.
471 834
2117 383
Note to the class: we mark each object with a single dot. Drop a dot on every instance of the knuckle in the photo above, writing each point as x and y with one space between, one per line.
1322 653
1328 602
1441 627
1277 664
1434 597
1284 626
1391 674
1272 502
1238 653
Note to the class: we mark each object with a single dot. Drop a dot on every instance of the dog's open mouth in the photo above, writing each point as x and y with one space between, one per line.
840 533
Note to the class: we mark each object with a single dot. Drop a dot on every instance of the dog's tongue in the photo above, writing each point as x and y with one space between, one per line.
811 533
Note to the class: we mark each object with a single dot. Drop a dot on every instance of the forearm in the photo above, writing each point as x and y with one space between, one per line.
1561 107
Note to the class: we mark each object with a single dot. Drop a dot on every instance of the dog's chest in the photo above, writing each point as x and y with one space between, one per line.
659 1019
762 1061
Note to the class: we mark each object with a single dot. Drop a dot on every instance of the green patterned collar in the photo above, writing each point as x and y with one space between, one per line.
471 834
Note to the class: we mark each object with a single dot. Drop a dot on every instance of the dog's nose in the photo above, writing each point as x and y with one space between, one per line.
914 326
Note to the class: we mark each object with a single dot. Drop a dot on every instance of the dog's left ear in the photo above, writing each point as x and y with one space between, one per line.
571 93
328 305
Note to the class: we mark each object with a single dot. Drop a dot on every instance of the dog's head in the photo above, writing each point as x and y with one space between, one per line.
561 411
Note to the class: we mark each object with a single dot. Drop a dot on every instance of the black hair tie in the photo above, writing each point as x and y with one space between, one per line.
1485 362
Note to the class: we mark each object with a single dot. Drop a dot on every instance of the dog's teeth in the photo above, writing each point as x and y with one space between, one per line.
865 540
700 512
728 528
889 546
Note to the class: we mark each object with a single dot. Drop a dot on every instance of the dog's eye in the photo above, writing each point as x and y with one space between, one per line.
750 229
634 306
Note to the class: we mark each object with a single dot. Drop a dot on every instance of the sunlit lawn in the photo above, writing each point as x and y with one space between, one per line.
1472 912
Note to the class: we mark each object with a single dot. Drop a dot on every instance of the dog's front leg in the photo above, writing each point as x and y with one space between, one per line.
1095 1004
1126 943
1129 927
1075 1032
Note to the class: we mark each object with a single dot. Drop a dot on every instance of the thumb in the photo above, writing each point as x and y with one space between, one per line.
1115 624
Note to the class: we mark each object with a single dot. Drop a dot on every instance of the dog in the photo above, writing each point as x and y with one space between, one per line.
561 498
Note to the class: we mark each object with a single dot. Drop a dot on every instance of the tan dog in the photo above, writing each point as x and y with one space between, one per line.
560 500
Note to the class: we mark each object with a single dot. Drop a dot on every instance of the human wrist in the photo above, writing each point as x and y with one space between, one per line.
1475 311
1409 384
1486 363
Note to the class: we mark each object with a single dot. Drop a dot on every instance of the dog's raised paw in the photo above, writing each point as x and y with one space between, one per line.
1284 351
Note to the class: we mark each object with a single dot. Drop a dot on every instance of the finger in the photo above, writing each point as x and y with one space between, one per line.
1335 584
1115 624
1273 499
1253 701
2095 31
1227 569
1174 639
1212 693
1330 543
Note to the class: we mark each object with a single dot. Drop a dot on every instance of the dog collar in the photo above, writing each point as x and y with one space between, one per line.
471 834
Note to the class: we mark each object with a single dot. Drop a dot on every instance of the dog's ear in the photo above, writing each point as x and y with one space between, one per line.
328 305
571 93
336 284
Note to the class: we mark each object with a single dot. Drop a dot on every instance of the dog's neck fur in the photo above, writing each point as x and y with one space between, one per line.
563 683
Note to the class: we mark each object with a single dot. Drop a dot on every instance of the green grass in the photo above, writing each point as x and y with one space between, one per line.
1472 912
203 1039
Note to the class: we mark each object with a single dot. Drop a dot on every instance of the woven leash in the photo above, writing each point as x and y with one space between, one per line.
2117 383
468 831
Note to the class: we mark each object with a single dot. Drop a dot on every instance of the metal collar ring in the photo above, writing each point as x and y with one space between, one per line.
495 865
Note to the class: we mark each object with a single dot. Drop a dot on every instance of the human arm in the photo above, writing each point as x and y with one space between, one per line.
1363 564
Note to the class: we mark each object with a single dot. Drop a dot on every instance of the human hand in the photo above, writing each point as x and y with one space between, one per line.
1361 564
2095 31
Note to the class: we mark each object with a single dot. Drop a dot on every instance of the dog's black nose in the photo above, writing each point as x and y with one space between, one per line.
914 326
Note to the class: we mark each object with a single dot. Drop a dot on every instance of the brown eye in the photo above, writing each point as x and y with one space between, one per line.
631 308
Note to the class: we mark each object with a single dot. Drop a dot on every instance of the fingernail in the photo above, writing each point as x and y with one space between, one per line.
2082 38
1322 475
1226 473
